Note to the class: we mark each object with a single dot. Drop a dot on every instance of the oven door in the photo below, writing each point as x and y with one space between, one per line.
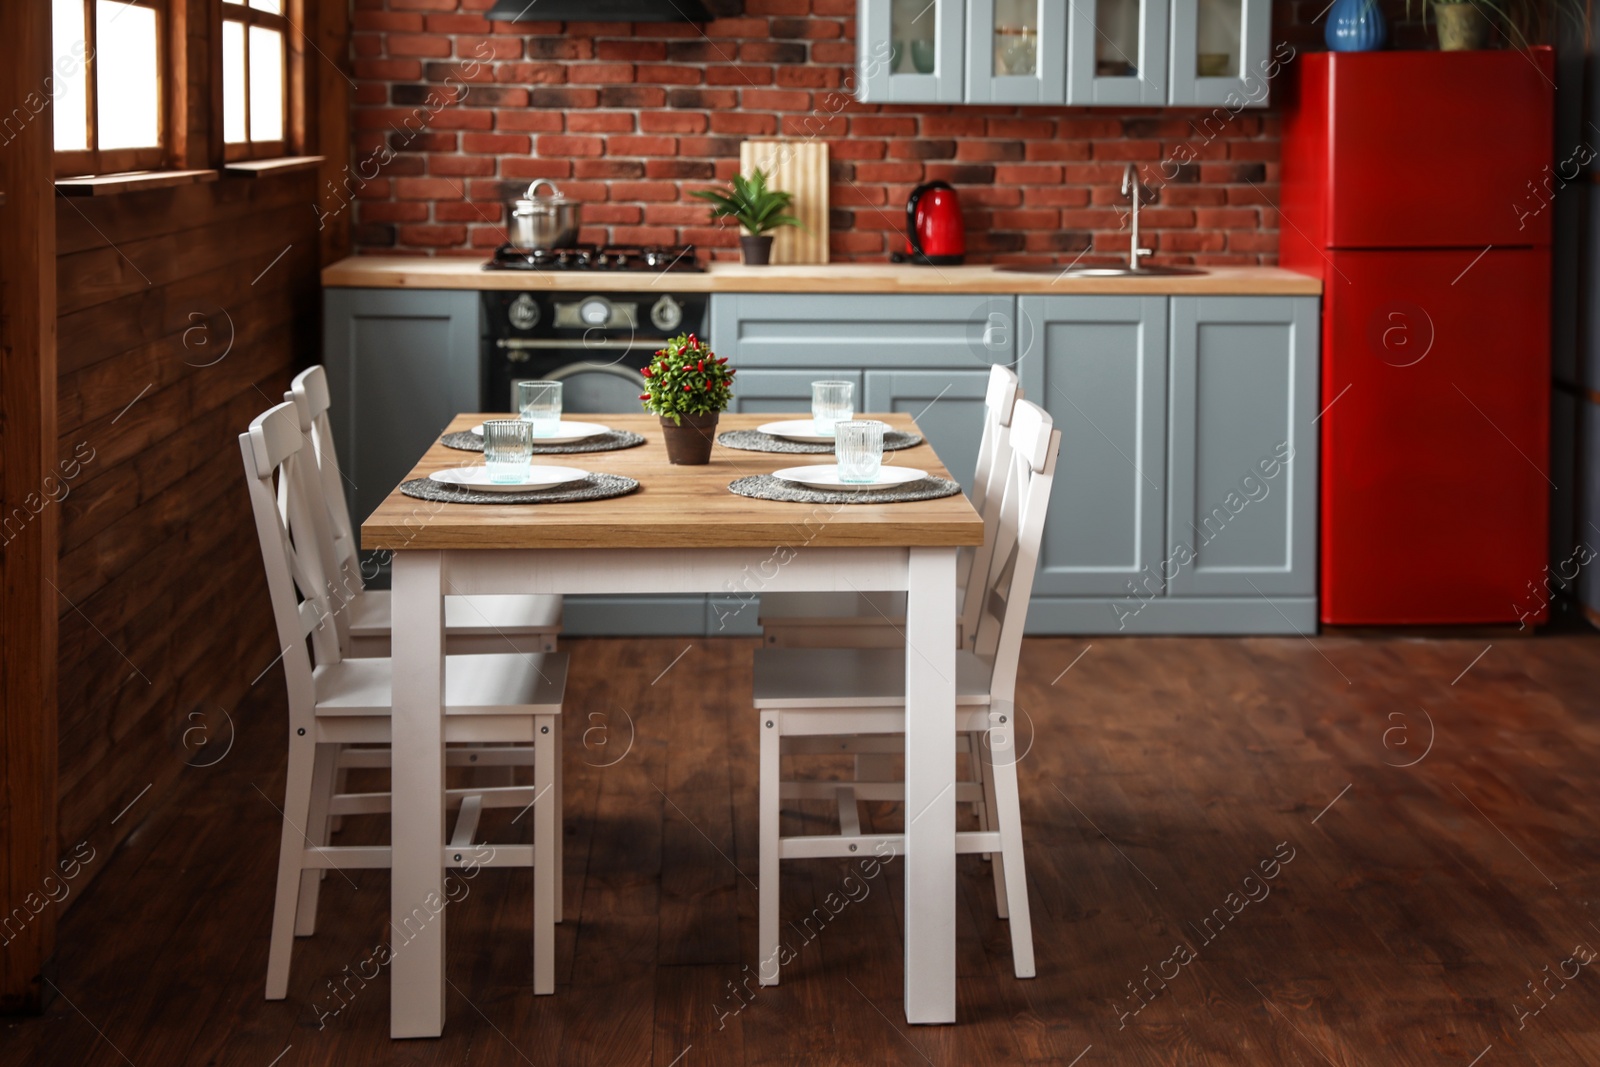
598 376
592 388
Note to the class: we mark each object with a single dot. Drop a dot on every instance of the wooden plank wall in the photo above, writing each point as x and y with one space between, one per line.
183 314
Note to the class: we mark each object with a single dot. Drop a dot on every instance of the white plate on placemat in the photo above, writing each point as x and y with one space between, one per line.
566 433
802 430
477 478
826 476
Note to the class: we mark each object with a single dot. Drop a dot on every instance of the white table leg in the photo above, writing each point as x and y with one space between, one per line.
416 900
930 860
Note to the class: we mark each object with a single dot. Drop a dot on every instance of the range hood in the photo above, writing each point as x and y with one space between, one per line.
603 10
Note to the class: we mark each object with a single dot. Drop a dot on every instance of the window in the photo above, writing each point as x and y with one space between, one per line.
108 91
254 78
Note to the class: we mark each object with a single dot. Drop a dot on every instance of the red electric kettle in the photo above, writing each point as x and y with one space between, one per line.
935 235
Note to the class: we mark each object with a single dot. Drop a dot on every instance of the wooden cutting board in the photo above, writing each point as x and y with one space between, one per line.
799 167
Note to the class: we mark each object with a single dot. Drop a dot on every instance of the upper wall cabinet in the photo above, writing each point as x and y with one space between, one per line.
1016 51
1109 52
910 51
1219 52
1118 52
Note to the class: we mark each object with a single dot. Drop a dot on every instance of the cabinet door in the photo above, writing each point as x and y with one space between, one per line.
909 51
948 406
1016 51
785 391
1105 384
1219 52
1242 460
1117 52
793 330
401 364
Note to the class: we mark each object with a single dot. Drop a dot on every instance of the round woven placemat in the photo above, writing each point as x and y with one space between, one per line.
594 487
611 441
768 487
756 441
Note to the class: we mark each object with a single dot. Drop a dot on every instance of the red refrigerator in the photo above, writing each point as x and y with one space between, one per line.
1416 185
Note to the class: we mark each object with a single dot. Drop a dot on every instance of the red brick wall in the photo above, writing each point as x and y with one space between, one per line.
453 111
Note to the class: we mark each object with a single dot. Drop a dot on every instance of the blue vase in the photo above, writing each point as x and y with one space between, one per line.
1356 26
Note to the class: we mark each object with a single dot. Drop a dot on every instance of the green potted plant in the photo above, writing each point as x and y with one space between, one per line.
689 389
1464 25
758 209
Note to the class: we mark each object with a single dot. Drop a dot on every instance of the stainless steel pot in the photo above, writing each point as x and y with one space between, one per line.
543 222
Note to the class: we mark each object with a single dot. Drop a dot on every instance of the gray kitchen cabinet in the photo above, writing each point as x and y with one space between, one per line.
1117 52
756 389
794 330
909 51
1104 372
1016 52
948 406
1242 450
401 364
1220 52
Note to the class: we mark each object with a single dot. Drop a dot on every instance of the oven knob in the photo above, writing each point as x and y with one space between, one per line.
666 314
594 312
524 312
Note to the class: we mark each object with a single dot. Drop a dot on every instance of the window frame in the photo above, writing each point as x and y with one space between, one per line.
94 160
241 11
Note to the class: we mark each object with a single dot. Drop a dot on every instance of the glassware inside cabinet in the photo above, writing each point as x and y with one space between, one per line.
913 37
1016 37
1117 38
1219 24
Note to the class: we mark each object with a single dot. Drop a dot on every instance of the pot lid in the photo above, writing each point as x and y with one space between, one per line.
531 200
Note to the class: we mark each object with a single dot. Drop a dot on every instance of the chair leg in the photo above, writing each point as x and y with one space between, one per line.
1008 811
559 751
291 846
323 773
982 808
546 876
767 877
341 784
986 758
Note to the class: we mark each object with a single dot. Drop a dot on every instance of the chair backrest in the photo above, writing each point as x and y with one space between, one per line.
988 485
1019 531
291 527
309 394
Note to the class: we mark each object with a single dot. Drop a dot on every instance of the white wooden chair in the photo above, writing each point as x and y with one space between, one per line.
336 701
878 620
812 695
472 624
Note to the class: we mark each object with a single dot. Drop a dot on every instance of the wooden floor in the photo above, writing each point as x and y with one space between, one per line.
1425 875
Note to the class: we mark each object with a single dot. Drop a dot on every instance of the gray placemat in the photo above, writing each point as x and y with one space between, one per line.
768 487
594 487
756 441
611 441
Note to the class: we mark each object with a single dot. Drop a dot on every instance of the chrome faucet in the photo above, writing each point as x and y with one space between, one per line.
1131 187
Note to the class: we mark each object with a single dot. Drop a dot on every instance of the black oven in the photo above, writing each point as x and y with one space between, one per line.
595 343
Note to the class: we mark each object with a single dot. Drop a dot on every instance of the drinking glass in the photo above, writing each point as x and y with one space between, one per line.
507 450
858 450
831 402
540 406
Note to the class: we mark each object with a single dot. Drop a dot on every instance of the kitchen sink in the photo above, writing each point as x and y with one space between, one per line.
1152 271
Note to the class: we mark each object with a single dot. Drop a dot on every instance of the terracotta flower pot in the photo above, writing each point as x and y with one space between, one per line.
690 443
757 250
1462 27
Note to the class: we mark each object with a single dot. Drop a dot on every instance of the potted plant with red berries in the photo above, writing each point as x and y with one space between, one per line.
689 389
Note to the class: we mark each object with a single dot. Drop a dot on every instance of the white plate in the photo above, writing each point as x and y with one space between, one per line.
802 430
566 433
477 478
826 476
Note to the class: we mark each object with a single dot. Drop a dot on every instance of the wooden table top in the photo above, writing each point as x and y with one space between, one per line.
674 507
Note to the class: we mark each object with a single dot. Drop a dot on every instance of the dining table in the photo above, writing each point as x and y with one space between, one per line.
682 531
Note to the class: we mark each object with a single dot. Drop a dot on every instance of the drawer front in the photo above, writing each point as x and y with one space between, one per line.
823 330
785 391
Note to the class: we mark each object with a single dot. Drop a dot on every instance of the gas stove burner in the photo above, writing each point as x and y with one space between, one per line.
627 258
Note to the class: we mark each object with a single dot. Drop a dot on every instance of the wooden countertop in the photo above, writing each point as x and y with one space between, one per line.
428 272
674 507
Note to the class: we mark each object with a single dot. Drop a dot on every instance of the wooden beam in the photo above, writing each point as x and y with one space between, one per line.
329 97
28 516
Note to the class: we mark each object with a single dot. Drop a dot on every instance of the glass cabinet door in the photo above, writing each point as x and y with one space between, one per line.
1219 52
1118 52
909 51
1016 51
